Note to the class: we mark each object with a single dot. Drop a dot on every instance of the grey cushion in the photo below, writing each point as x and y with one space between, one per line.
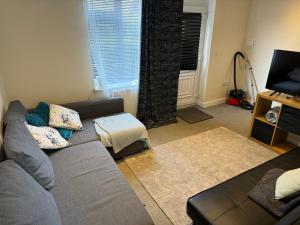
16 110
88 133
22 200
90 190
20 146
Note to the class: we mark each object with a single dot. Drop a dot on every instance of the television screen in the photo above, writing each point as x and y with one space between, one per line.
284 75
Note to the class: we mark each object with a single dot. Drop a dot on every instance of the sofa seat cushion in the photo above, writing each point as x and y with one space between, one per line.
90 190
88 133
228 203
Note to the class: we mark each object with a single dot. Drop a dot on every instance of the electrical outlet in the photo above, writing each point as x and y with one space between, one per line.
225 83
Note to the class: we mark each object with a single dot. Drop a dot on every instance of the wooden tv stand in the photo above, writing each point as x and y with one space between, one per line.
266 133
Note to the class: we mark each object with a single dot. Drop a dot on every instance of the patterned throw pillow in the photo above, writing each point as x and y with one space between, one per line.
47 137
64 118
39 117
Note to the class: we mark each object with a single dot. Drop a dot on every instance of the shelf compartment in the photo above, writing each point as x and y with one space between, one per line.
264 120
279 142
263 132
262 106
279 136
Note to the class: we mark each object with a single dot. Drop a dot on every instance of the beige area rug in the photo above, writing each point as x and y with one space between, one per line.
174 171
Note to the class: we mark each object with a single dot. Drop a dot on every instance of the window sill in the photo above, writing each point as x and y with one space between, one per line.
116 88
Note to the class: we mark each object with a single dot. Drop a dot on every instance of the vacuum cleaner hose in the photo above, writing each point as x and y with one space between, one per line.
234 67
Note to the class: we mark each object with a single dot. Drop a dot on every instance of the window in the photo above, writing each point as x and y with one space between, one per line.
191 26
114 33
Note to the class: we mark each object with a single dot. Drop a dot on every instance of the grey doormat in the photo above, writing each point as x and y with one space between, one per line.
193 115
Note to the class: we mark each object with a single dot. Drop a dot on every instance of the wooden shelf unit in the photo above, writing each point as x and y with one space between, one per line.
265 132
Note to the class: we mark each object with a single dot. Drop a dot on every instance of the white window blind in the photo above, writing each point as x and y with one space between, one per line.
115 36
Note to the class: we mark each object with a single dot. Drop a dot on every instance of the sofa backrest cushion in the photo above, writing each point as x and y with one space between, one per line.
95 108
22 200
16 110
20 146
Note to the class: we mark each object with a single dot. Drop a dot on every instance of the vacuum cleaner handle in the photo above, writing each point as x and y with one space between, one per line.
234 69
239 53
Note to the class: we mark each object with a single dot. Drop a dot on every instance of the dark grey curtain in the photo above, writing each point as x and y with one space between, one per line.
160 61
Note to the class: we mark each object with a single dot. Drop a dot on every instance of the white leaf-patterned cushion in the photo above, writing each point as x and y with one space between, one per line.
62 117
47 137
288 184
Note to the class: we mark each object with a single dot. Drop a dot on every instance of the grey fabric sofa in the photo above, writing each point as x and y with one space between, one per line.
89 189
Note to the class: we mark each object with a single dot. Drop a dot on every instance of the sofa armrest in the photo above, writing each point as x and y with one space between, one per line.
292 218
97 107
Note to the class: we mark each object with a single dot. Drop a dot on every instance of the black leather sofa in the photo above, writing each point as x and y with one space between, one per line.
228 203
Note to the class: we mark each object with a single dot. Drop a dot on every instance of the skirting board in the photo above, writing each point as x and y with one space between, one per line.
211 103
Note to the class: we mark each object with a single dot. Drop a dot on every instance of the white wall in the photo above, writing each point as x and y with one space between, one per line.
273 24
44 55
229 29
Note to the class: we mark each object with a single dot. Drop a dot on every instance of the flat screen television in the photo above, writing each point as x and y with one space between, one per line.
284 74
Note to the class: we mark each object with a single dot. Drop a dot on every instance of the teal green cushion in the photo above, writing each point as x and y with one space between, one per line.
65 133
43 110
35 119
40 117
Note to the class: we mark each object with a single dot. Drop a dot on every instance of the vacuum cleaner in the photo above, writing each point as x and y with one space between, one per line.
237 96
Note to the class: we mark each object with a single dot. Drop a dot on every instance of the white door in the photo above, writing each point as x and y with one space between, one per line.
188 84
